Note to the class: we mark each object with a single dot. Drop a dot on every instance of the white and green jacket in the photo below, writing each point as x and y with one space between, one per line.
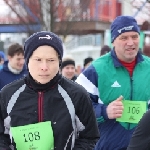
105 80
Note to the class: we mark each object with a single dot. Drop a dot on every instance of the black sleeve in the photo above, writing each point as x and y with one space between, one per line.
4 138
141 137
86 124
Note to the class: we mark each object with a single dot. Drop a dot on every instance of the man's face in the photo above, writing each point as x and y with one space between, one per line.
16 61
68 71
127 46
44 64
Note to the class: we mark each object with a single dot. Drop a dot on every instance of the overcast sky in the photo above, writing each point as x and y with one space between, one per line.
4 9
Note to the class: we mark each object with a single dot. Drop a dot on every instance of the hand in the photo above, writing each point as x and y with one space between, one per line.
114 109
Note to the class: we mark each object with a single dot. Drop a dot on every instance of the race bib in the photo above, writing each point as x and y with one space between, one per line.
37 136
133 111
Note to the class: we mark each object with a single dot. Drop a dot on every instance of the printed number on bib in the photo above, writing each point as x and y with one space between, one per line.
32 136
133 111
37 136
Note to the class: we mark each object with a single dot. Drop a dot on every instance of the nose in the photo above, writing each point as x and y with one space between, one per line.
70 70
130 41
22 61
44 66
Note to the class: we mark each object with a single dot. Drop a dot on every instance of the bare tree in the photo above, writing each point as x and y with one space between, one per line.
55 15
24 14
58 15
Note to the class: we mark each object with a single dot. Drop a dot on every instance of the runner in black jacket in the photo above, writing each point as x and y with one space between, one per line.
45 111
141 137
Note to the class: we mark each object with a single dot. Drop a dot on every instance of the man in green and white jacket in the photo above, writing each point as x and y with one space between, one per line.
119 86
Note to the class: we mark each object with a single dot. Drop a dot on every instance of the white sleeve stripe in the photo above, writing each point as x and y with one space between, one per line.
87 84
100 101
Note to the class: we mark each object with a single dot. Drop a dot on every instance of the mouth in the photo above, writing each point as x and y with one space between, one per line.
70 74
43 75
20 65
130 49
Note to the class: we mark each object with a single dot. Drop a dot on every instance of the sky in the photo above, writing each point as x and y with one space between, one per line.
4 11
3 8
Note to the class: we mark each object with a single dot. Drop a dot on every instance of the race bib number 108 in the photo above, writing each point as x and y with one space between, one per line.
37 136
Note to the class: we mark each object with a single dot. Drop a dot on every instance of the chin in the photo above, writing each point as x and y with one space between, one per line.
69 78
130 59
19 69
45 81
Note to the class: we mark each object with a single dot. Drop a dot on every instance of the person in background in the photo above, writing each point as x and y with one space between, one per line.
2 54
44 110
119 86
67 69
87 62
14 68
141 137
1 62
146 50
2 59
104 50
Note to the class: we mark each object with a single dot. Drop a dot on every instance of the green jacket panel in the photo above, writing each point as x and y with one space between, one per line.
115 81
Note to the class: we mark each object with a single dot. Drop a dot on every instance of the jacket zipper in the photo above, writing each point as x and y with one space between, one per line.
131 91
40 106
131 82
131 96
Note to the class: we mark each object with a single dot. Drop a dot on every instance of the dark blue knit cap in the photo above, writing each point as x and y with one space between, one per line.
40 39
123 24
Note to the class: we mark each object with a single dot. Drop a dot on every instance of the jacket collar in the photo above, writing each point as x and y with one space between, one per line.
42 87
139 58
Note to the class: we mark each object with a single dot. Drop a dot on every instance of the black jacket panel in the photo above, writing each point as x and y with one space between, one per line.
141 137
67 105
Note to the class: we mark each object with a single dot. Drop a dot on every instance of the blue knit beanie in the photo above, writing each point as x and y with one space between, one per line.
123 24
40 39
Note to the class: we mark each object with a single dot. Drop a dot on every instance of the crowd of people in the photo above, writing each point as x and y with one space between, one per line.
45 104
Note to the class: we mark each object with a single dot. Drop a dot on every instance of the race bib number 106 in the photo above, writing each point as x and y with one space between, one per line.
133 111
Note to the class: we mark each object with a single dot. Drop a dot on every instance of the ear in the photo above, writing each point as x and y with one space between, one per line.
60 62
113 44
9 57
60 71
